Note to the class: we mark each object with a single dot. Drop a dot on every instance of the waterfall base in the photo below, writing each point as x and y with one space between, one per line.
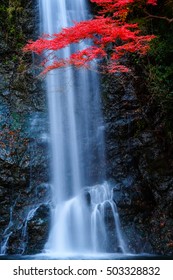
88 223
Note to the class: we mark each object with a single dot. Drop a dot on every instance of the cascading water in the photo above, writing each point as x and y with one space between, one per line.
6 234
78 212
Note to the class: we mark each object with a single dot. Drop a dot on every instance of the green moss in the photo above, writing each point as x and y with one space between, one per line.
156 69
16 121
22 67
11 28
140 126
160 74
12 34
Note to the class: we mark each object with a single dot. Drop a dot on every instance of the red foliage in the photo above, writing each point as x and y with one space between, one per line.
152 2
109 28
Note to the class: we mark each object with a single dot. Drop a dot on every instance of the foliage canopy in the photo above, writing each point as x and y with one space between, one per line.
111 32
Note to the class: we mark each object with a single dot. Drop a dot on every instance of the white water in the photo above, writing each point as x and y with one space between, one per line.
24 238
78 214
6 234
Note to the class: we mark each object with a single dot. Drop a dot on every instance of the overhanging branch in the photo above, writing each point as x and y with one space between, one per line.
170 20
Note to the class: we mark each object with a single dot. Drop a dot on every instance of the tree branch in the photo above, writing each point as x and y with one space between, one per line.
170 20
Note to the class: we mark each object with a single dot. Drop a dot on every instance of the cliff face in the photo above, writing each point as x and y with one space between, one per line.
139 164
23 130
139 146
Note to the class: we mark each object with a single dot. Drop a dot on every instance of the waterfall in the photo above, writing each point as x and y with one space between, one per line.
79 222
7 233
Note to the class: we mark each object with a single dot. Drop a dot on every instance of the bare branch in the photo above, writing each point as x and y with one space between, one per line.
170 20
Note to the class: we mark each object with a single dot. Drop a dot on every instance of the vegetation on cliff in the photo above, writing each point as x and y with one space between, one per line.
158 66
112 33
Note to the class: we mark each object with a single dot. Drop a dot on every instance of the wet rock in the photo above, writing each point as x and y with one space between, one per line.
22 149
139 163
37 230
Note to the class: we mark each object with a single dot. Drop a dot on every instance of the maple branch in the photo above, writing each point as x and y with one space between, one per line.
170 20
110 26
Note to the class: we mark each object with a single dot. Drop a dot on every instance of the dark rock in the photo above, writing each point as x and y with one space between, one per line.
138 161
37 230
23 130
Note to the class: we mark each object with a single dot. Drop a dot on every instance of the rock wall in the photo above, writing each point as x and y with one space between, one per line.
24 177
139 164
